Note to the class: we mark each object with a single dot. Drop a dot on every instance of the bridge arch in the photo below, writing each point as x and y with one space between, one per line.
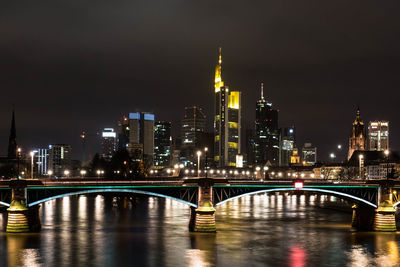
105 190
4 204
315 190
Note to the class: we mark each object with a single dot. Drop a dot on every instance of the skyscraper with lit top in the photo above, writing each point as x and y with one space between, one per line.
227 121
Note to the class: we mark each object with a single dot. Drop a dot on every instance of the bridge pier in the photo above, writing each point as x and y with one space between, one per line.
381 219
202 219
385 213
21 219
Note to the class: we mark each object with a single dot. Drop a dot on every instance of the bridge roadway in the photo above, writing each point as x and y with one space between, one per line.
166 181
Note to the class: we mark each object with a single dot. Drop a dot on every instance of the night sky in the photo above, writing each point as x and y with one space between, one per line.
73 65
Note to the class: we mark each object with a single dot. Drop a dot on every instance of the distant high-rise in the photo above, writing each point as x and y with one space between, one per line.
357 139
42 160
136 134
123 133
108 142
309 154
12 141
162 143
193 124
286 145
59 159
378 135
266 133
227 121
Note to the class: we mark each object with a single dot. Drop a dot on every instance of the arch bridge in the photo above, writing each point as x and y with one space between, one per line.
373 209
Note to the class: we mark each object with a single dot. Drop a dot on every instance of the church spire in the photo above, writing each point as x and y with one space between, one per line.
12 141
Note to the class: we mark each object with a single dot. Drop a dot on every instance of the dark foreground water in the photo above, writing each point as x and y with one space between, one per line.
259 230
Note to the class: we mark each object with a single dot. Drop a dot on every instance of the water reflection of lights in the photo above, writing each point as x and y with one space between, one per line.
196 258
30 258
66 208
302 199
49 208
393 249
98 209
359 257
297 257
2 221
82 208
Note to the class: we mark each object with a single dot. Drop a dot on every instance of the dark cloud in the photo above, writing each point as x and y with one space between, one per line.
74 65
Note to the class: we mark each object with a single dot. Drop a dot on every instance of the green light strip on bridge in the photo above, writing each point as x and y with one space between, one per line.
111 187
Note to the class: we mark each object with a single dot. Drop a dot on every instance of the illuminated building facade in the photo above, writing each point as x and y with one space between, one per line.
162 143
286 145
108 142
136 135
41 160
295 157
357 139
193 124
59 159
266 140
378 135
227 121
309 154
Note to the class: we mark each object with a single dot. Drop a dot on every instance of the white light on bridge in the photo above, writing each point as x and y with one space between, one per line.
298 185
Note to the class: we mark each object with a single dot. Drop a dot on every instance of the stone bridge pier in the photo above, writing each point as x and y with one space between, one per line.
202 218
21 218
382 218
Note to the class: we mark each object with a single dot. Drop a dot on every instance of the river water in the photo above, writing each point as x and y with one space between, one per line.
259 230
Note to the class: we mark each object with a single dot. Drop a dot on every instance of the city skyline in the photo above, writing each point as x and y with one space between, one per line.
85 78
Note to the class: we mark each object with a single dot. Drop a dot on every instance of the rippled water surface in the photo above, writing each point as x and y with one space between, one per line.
260 230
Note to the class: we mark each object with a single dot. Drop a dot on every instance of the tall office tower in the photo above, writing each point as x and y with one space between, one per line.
357 140
193 124
59 159
266 133
108 142
12 141
136 135
286 145
309 154
378 135
227 121
162 143
123 133
41 160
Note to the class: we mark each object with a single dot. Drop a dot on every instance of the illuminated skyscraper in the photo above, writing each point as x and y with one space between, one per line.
309 154
286 145
357 139
378 135
193 124
59 159
266 133
136 134
227 121
41 160
162 143
108 142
